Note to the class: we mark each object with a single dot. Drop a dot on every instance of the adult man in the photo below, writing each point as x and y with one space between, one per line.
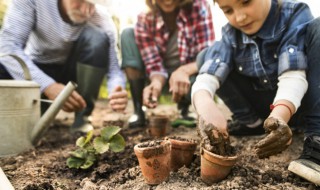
63 40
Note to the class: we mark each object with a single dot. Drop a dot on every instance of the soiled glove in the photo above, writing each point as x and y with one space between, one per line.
278 139
211 139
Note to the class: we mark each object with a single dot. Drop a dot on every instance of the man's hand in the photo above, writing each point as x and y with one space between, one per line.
179 84
278 139
152 92
75 102
118 99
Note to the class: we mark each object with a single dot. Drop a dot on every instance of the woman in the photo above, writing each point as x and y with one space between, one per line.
163 47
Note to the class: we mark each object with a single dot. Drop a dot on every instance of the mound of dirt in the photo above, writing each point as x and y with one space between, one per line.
44 167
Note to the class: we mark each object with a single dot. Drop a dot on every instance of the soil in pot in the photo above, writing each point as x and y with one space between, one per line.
158 125
154 160
217 158
182 151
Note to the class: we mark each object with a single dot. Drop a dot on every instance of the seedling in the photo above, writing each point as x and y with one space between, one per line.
89 149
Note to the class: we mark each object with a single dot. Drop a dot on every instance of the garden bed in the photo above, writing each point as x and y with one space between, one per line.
44 167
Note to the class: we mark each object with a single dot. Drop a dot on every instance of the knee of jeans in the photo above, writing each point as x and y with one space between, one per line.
94 39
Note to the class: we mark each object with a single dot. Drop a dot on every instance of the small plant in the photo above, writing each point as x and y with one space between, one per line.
89 150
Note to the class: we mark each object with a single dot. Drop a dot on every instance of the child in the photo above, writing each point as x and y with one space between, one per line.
268 55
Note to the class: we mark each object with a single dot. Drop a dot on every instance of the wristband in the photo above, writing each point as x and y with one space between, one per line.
273 106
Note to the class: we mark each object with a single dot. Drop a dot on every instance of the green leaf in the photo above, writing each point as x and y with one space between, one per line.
108 132
100 145
79 153
89 136
87 164
74 162
187 123
91 159
117 143
83 141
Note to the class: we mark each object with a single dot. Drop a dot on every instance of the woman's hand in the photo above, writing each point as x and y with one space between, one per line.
179 82
152 92
118 99
75 102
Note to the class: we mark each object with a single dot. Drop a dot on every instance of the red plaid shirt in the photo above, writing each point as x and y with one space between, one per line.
195 32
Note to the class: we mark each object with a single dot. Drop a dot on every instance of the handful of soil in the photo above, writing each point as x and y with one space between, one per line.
216 142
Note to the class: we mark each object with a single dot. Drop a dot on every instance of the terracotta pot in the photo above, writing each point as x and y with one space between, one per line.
158 125
182 152
215 168
154 161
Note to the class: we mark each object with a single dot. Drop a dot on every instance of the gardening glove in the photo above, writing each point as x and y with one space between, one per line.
278 139
211 139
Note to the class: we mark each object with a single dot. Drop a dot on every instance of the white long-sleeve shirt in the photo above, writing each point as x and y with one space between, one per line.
35 31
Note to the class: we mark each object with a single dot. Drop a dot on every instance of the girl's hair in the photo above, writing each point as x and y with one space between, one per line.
184 4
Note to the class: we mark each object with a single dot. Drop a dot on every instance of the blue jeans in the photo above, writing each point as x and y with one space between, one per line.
91 48
248 103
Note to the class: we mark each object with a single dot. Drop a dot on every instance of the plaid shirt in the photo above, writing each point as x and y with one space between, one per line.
195 32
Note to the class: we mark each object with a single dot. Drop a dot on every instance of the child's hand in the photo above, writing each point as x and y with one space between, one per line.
279 138
210 135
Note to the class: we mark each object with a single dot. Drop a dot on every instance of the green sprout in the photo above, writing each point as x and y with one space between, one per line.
89 150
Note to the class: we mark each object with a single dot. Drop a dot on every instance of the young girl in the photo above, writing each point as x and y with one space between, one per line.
265 68
163 46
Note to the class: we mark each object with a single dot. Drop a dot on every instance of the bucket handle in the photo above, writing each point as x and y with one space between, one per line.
24 66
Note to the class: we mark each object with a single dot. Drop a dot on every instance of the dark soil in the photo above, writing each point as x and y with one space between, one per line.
151 143
44 167
182 139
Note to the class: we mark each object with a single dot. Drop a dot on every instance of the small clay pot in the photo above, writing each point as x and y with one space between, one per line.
158 125
154 160
182 151
215 168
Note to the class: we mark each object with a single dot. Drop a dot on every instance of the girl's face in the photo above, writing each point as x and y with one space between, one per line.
78 11
246 15
168 6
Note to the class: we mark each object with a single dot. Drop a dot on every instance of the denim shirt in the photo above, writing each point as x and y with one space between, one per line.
277 47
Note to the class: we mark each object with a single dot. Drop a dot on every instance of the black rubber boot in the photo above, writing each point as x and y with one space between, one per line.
89 80
138 118
183 107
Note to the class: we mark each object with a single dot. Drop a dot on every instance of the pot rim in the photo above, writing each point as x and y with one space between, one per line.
165 144
224 160
180 144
